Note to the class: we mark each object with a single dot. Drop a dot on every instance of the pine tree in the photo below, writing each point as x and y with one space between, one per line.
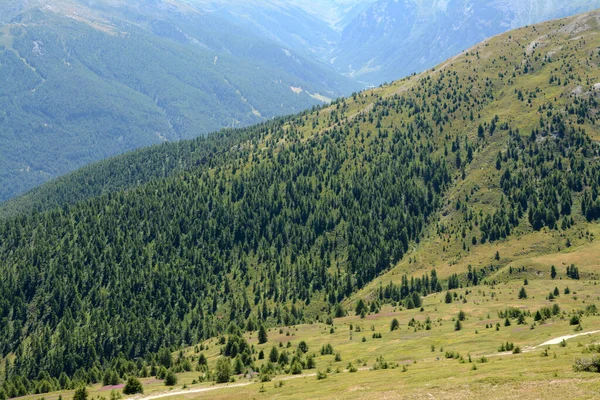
274 355
522 293
262 335
457 325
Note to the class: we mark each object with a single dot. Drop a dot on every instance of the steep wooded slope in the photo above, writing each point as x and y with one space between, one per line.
83 81
303 212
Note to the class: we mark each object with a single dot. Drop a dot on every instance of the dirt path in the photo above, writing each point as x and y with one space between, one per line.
556 340
161 395
566 337
188 391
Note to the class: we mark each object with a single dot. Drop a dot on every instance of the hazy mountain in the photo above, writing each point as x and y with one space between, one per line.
395 38
84 80
313 28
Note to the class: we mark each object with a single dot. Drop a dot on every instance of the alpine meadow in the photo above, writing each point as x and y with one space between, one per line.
436 237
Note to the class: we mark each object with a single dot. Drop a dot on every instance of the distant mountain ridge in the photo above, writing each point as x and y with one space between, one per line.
395 38
85 80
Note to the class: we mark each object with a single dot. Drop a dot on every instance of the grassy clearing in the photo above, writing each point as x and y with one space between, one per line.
417 360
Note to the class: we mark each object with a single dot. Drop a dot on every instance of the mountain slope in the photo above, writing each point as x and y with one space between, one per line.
85 81
292 220
397 38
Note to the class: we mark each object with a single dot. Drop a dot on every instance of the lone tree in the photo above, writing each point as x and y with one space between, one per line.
395 325
448 298
262 335
553 272
81 394
457 325
133 386
223 370
274 355
170 378
522 293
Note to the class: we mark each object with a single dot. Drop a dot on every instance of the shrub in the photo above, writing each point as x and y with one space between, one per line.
587 364
321 375
395 325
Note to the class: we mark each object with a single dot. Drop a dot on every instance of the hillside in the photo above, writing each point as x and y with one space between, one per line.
484 170
83 81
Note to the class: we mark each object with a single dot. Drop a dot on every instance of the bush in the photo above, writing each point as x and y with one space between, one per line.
170 378
395 325
321 375
575 320
133 386
587 364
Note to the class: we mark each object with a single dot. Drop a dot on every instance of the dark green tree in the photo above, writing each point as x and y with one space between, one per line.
262 335
133 386
170 378
81 393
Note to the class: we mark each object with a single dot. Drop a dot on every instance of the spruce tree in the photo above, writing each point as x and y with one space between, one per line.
262 335
522 293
